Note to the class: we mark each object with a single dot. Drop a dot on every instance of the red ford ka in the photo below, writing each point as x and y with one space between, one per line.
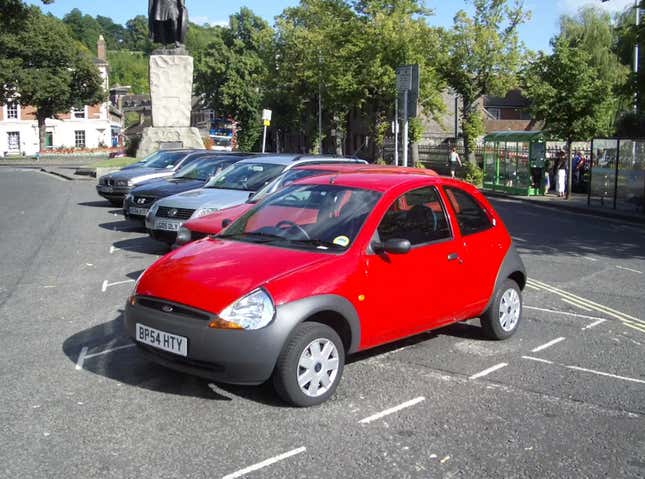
327 267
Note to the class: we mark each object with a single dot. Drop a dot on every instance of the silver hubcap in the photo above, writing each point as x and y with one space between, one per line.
318 367
509 310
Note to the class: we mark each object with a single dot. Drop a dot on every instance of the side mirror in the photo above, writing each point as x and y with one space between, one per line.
226 222
392 246
251 195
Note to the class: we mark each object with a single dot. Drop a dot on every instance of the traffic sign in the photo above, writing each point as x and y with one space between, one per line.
266 115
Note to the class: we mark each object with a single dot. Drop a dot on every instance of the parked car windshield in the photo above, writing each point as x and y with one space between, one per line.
245 176
284 180
203 169
313 217
165 159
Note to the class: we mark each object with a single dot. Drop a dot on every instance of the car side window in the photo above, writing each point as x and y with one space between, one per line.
418 216
471 217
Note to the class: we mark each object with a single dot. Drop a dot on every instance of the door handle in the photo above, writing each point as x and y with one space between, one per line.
454 257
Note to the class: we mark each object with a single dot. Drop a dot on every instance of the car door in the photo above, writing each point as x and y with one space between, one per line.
416 291
480 249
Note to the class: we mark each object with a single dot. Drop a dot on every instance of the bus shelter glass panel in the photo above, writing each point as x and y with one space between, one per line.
603 173
490 162
630 195
522 168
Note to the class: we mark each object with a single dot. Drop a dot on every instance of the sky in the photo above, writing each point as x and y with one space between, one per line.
535 34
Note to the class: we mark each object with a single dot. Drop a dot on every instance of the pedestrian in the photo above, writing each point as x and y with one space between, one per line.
562 174
454 159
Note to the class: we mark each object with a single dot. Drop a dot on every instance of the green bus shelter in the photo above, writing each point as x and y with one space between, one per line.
514 162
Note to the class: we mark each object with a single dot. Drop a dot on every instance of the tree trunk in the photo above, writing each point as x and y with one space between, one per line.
414 153
570 170
42 131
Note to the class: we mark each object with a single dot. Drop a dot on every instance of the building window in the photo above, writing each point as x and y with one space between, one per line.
78 113
49 139
12 111
13 140
79 137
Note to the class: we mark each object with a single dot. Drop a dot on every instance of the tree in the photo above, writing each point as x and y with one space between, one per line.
568 94
230 74
136 36
129 68
83 28
46 69
483 57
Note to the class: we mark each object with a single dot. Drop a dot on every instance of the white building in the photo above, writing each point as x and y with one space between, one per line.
93 126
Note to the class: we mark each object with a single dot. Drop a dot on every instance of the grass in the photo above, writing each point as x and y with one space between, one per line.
113 162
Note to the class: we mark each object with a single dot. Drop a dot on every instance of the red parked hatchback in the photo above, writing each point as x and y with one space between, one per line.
327 267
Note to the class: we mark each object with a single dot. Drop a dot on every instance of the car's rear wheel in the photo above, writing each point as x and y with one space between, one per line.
310 365
501 319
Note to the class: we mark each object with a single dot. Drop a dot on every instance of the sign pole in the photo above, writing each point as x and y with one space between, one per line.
396 130
405 127
266 120
264 139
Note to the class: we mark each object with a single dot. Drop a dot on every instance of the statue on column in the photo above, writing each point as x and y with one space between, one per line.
167 21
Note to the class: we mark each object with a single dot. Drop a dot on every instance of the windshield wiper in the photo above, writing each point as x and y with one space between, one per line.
318 243
259 237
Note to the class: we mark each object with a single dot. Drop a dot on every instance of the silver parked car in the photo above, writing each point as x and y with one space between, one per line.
115 186
231 187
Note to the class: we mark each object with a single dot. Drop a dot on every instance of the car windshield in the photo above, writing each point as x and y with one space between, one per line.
165 159
314 217
285 179
245 176
202 169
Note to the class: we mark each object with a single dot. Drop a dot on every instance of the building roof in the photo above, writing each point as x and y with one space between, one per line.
513 99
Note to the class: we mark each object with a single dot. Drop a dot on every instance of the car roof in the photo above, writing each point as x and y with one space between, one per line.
377 178
289 159
368 168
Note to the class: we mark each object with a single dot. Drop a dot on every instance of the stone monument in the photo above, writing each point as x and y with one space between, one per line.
171 81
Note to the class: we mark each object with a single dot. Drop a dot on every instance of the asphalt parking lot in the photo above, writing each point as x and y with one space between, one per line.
564 397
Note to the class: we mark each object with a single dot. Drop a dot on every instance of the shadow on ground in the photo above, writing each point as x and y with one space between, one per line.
96 204
124 226
143 244
127 365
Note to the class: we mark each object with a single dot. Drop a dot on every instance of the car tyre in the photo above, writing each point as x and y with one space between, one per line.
501 319
310 365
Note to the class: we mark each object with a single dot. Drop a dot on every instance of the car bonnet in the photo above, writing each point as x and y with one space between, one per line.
205 197
213 273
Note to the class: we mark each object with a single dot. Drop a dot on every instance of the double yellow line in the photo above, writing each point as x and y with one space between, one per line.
626 319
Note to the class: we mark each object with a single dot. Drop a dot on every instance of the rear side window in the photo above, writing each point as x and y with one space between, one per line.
471 217
417 216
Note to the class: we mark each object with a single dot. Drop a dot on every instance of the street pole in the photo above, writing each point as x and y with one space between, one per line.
636 52
396 130
264 138
320 138
405 127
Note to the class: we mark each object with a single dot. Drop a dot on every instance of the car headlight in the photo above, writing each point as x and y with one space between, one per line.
253 311
183 236
128 197
203 212
122 183
153 210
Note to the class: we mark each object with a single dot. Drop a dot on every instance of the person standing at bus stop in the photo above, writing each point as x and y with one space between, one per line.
454 159
562 174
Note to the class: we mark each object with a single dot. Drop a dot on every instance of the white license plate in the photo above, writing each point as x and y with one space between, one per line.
162 340
107 189
138 211
168 225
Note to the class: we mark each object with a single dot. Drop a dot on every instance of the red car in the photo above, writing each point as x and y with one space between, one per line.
213 223
324 268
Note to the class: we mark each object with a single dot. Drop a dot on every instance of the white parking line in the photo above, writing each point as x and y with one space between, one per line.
521 240
585 370
264 464
629 269
392 410
548 345
81 358
532 287
565 313
594 324
589 258
539 360
106 285
486 372
600 373
107 351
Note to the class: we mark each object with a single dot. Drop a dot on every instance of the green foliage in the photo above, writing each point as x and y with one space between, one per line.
42 65
129 68
567 93
483 56
230 75
473 174
473 127
83 28
415 130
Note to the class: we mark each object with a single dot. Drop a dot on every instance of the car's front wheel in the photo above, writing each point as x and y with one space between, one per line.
310 365
502 317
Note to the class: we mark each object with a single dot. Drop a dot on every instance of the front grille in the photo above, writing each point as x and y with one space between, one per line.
178 310
106 181
174 213
143 200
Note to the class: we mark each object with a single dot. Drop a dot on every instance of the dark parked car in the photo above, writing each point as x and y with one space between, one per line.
195 175
115 186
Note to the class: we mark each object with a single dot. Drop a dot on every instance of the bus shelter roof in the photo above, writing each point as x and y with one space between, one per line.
515 136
